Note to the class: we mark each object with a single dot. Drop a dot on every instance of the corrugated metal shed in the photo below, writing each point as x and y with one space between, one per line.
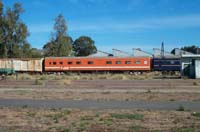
119 53
157 53
139 52
179 52
100 54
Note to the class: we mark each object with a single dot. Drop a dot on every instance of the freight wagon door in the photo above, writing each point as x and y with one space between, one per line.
197 68
17 65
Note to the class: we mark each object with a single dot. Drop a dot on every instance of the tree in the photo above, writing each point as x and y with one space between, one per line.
3 48
84 46
13 33
193 49
60 43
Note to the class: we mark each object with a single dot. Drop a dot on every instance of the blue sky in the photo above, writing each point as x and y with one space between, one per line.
119 24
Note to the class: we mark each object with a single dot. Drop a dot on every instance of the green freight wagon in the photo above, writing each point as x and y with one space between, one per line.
7 71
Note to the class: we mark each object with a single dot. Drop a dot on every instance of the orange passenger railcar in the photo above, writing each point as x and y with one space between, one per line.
97 64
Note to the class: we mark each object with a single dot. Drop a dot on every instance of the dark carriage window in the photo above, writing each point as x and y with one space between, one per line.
127 62
108 62
69 63
137 62
78 62
61 63
118 62
90 62
49 63
54 63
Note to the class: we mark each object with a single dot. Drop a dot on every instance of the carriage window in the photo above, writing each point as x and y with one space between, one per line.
108 62
54 63
171 62
69 63
90 62
145 62
118 62
78 62
49 63
127 62
137 62
61 63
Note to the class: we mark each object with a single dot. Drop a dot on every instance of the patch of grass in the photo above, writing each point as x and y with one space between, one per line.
128 116
82 126
183 130
87 118
108 122
57 116
196 114
31 114
62 129
135 128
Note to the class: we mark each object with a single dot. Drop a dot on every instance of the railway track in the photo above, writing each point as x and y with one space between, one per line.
106 84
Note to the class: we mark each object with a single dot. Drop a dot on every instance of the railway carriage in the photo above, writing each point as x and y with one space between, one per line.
97 64
166 64
22 65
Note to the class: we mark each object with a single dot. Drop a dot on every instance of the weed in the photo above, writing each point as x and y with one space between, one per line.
24 106
195 83
181 108
38 82
148 91
87 118
196 114
62 129
128 116
172 100
82 126
56 117
31 114
108 122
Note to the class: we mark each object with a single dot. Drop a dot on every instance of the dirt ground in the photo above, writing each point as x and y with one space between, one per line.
74 120
24 119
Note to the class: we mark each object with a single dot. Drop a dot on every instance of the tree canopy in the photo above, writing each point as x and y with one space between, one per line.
84 46
13 33
60 44
193 49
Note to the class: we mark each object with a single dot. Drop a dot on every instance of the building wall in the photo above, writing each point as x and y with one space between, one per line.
197 68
